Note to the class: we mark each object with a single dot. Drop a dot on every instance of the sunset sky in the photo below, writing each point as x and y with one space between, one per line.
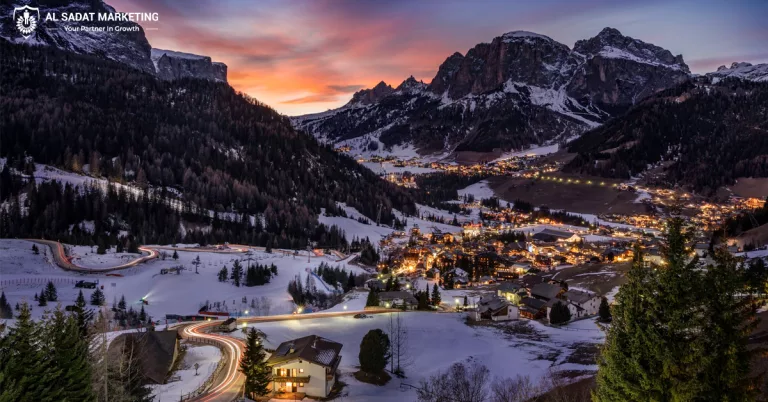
304 56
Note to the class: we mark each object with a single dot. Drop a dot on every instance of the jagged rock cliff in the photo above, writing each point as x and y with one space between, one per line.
520 89
170 65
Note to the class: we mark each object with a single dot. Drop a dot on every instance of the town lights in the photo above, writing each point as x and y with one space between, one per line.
345 307
246 312
299 310
386 305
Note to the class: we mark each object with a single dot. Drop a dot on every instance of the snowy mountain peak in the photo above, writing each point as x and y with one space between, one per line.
515 35
372 95
611 44
742 70
410 85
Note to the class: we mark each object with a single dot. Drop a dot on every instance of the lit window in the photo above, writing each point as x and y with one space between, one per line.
301 370
301 384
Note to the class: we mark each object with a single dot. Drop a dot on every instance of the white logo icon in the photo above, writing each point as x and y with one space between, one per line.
26 18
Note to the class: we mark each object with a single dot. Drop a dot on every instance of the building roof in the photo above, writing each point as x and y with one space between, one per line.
546 291
400 294
509 287
528 281
155 351
491 303
555 233
312 348
579 296
532 303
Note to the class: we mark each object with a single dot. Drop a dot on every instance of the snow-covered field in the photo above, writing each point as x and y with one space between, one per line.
87 257
352 228
22 274
480 190
437 340
206 356
389 167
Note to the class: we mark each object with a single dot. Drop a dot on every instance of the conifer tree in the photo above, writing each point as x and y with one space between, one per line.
50 292
435 295
258 374
42 300
5 308
67 358
373 299
559 313
604 311
97 298
121 304
729 320
21 367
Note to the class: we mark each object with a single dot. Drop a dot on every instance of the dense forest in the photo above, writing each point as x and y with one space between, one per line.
705 135
200 141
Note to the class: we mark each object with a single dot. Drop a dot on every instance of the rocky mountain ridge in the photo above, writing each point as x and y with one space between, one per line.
520 89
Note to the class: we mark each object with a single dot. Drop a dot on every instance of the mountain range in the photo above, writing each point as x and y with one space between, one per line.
521 89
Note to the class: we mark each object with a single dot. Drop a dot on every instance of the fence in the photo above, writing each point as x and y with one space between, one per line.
37 281
209 381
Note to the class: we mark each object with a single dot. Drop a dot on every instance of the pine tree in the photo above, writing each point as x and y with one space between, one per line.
223 274
254 366
652 349
435 295
97 298
21 366
426 292
175 255
351 281
373 299
121 304
84 315
50 292
237 272
374 351
42 300
604 312
5 308
559 313
730 319
142 314
67 359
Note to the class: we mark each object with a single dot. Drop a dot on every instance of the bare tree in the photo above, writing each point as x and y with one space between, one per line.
398 337
266 305
518 389
459 383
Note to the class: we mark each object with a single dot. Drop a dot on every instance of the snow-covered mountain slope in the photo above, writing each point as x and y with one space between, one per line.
745 71
128 45
521 89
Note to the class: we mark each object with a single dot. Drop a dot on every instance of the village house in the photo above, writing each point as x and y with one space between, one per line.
546 291
495 308
581 303
551 236
511 291
533 309
397 299
305 366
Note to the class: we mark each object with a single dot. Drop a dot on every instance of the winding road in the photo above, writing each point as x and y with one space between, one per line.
66 264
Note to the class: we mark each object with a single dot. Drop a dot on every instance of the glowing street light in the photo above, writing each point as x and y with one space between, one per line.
345 307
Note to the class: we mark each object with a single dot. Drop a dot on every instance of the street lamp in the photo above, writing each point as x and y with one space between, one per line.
345 307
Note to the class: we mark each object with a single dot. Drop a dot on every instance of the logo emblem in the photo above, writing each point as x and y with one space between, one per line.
26 19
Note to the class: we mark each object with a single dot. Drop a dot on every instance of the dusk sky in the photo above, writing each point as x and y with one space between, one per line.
304 56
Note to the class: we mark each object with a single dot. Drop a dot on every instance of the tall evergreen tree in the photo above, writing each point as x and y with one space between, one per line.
258 374
436 295
676 329
67 358
97 298
604 311
5 308
22 369
50 292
